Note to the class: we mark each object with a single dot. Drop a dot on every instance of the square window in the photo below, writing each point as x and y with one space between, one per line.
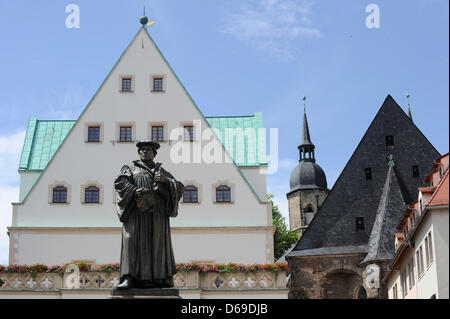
125 134
158 84
360 223
189 133
126 85
94 134
157 133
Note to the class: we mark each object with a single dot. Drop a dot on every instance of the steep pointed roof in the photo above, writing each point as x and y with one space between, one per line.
307 174
306 138
390 210
138 41
333 229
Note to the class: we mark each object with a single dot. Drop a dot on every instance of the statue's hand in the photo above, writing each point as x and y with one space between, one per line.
160 178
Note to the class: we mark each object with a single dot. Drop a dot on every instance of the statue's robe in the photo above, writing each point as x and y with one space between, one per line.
146 253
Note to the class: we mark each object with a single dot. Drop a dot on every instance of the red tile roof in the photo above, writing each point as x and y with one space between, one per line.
427 189
440 196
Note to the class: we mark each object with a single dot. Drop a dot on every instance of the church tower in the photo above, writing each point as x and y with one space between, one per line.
308 184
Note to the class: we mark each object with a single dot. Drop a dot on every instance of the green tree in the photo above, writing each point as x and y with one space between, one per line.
283 238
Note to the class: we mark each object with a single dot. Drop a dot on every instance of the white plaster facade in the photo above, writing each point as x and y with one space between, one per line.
433 283
239 232
424 243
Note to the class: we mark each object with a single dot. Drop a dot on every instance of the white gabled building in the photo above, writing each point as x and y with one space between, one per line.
67 164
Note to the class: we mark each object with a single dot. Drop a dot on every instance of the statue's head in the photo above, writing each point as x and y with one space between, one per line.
147 150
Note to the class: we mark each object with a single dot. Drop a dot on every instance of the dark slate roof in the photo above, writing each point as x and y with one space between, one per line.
306 138
333 229
307 175
390 210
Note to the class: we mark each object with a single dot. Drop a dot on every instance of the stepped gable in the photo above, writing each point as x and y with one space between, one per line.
333 229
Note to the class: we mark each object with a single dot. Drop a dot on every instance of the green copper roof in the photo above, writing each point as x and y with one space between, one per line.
44 137
42 140
243 137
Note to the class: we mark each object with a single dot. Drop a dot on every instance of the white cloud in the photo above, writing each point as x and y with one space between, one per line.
272 26
10 150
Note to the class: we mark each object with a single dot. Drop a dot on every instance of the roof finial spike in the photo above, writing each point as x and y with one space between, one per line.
144 20
304 104
409 107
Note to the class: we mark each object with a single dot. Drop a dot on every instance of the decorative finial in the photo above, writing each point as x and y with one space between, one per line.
304 104
391 162
409 107
144 20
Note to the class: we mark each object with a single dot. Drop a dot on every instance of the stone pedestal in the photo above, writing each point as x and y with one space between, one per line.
145 293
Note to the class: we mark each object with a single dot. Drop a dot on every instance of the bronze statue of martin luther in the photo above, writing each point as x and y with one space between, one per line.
147 195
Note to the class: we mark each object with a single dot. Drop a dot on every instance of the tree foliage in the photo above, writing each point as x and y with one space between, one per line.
283 237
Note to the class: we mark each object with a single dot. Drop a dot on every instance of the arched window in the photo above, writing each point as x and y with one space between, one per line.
362 294
309 209
59 194
223 194
92 194
308 215
190 194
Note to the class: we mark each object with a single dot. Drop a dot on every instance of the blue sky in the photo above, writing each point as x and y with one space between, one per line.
234 58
